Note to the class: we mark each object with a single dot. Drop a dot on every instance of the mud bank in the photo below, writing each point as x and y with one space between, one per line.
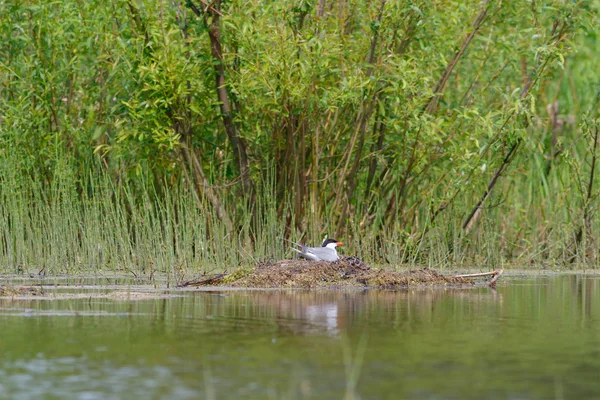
20 292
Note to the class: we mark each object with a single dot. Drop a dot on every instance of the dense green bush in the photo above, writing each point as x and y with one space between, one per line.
148 134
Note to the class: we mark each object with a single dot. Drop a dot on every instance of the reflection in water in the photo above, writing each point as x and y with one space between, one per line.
530 339
325 315
334 312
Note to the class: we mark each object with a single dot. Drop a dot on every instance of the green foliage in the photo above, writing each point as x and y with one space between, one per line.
112 133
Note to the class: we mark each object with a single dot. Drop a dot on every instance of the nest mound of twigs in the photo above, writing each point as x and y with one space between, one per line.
349 272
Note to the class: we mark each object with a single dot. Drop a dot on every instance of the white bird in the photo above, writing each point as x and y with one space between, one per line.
327 252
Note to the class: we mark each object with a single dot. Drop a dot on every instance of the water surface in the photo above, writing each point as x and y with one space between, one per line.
532 338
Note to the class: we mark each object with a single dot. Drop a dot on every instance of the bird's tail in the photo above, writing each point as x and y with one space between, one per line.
297 244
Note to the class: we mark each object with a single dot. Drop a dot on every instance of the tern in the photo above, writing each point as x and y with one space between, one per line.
326 252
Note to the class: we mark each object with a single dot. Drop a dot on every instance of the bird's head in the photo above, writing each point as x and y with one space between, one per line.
332 243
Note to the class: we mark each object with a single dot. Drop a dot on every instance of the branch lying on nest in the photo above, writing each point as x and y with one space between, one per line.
494 274
215 279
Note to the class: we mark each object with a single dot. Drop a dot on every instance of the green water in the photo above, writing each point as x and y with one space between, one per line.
532 338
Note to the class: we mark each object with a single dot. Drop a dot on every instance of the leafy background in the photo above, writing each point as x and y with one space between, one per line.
174 136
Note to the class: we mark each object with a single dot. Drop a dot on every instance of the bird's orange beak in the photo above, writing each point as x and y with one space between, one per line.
340 244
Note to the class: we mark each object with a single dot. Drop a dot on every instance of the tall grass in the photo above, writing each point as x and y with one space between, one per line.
68 226
95 223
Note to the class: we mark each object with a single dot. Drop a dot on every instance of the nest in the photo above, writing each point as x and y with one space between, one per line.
349 272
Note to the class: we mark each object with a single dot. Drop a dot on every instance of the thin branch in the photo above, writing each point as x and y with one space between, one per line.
470 221
439 87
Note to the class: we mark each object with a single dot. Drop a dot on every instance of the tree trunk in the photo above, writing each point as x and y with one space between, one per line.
214 33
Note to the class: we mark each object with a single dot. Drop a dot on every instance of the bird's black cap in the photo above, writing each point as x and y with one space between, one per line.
326 242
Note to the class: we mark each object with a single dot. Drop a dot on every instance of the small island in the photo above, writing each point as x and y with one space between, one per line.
348 272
